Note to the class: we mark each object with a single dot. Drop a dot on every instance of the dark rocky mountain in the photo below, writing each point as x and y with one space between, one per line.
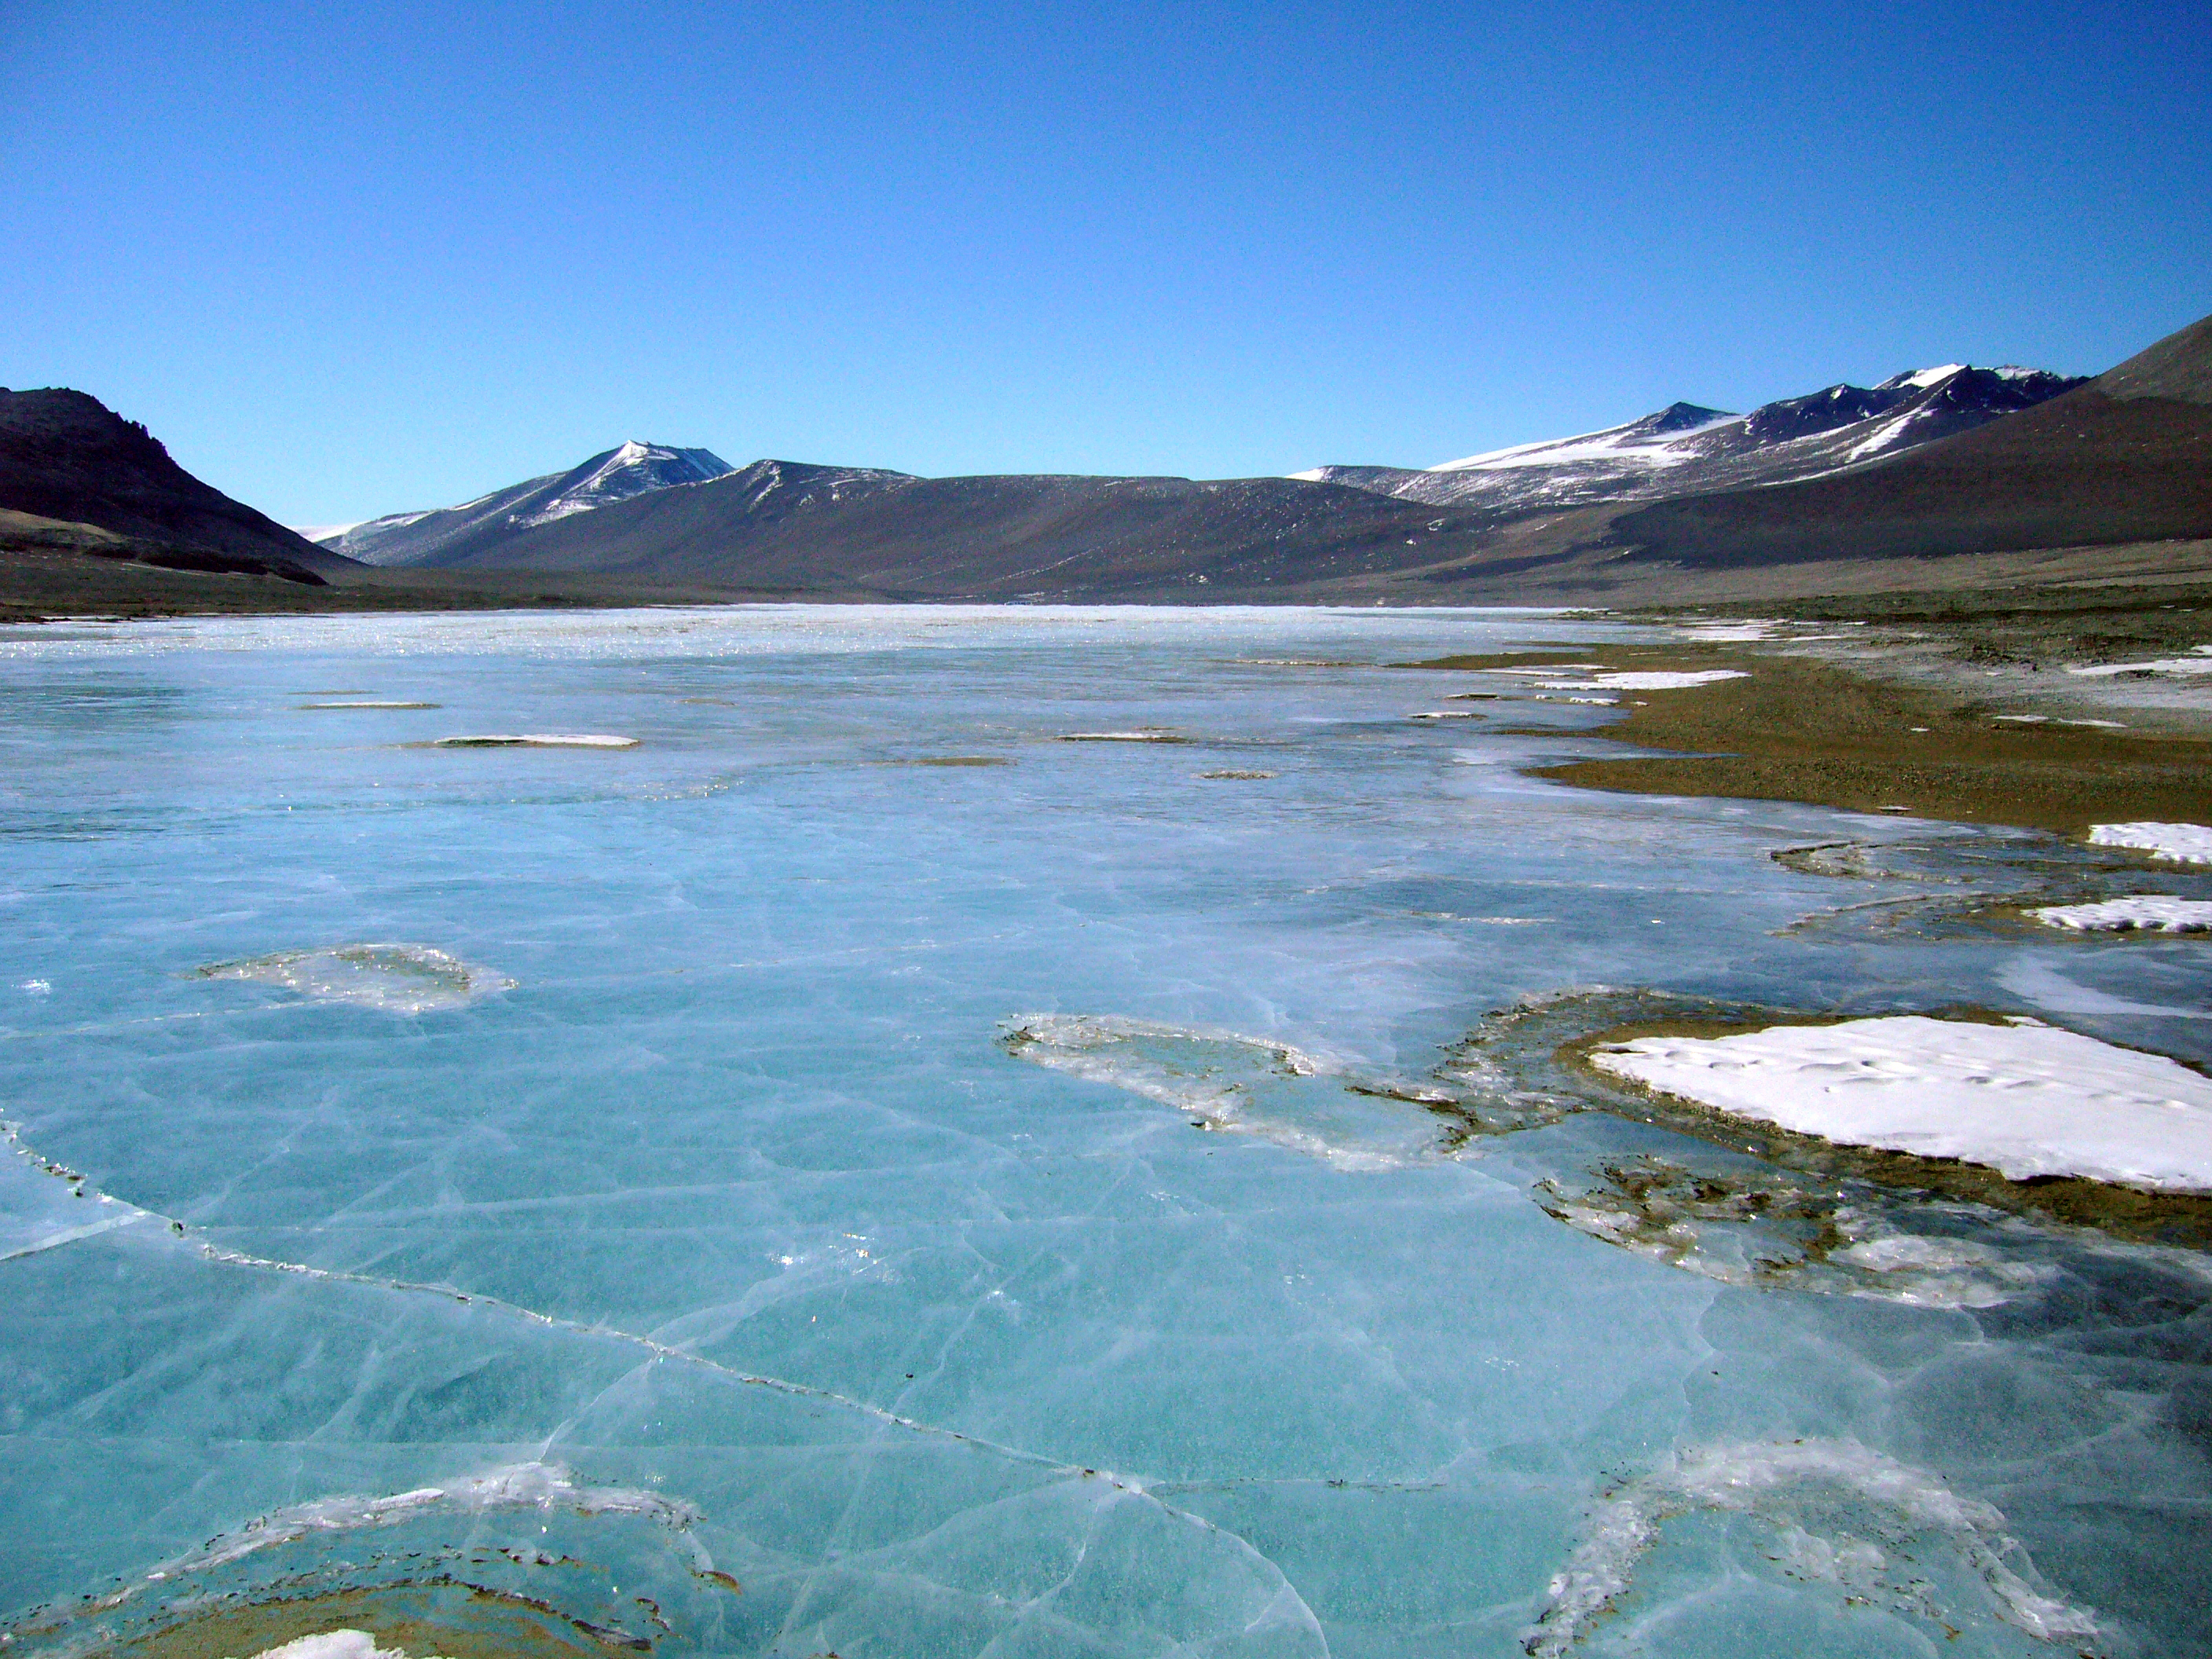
1684 449
449 535
2124 458
66 458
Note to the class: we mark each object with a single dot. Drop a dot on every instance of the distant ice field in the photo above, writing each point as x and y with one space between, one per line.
855 1172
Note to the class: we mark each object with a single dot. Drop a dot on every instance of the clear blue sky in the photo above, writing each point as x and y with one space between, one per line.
351 258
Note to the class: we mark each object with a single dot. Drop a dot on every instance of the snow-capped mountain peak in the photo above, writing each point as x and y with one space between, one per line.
1685 448
630 469
1920 378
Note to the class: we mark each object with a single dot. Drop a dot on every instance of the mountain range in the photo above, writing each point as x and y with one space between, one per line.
1929 464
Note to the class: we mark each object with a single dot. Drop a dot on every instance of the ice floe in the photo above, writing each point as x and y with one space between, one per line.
1845 1513
2148 913
2026 1099
371 705
1123 737
403 979
2185 843
545 1487
1244 1085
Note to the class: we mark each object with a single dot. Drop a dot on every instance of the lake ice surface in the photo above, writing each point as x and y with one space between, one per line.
791 1187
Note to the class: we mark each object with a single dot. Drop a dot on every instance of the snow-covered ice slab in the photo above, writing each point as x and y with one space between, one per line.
2185 843
2149 912
2024 1099
539 740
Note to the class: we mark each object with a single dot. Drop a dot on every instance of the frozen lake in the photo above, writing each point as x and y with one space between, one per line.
858 1172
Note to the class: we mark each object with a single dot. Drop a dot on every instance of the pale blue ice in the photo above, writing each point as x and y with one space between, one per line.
730 1240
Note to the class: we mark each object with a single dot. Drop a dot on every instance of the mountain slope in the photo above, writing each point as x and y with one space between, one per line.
2125 458
446 535
65 456
1684 449
789 527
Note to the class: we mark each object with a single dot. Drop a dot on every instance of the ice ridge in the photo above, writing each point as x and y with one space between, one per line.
1760 1479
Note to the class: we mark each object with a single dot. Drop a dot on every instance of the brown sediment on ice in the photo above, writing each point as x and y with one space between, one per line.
2126 1212
443 1616
1793 728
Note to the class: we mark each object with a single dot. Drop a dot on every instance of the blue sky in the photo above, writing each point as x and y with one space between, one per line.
348 259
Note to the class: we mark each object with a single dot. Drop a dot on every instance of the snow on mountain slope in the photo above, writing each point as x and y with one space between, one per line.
443 534
1685 449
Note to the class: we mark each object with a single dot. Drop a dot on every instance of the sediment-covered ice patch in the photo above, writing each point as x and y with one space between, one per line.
2147 913
1765 1228
2185 843
401 979
2026 1099
1840 1513
1245 1085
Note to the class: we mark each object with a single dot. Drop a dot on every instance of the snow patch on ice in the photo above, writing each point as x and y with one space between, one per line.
2150 913
2026 1099
1648 680
2191 665
333 1644
2185 843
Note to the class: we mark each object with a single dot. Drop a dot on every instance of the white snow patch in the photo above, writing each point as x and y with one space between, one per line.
1925 378
319 533
1617 443
2026 1099
1652 680
2148 912
332 1644
2185 843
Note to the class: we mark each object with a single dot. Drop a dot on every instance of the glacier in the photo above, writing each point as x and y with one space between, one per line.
858 1172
